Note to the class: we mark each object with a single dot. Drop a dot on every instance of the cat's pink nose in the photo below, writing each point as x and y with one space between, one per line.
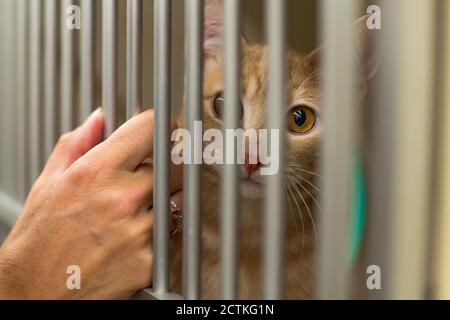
251 168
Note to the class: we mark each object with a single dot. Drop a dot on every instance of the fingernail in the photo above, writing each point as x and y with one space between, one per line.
95 114
99 110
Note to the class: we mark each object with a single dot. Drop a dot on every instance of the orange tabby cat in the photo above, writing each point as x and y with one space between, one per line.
305 127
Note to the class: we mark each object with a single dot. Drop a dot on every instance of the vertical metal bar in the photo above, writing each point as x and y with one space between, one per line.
401 184
51 97
35 90
68 71
162 47
7 99
192 178
3 91
134 57
12 102
274 213
339 101
230 186
21 98
109 53
88 48
442 240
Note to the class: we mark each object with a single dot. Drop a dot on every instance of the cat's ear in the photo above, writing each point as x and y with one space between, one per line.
213 29
367 52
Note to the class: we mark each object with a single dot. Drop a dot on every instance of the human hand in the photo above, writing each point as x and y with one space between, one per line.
91 207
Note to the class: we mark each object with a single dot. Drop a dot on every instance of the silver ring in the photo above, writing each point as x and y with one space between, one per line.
177 216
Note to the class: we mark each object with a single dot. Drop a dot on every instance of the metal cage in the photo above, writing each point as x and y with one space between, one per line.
48 86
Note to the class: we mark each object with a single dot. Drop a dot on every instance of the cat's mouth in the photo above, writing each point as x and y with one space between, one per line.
251 189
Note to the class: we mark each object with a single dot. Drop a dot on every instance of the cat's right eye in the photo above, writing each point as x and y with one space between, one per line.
219 104
301 119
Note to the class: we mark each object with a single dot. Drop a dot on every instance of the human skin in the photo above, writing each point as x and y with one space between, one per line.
91 207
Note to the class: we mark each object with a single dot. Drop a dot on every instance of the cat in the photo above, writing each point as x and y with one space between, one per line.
302 184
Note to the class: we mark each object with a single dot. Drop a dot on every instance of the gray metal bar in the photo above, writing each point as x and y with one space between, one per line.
51 98
147 294
230 186
162 47
338 82
192 172
3 92
401 175
35 90
274 213
88 48
67 72
134 57
21 98
441 263
109 53
7 99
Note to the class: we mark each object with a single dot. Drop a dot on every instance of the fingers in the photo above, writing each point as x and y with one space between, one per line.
73 145
132 143
144 178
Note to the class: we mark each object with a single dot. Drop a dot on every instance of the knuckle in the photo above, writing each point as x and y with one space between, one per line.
82 172
65 138
122 202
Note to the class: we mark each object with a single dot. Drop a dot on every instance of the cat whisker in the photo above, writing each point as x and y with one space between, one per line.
308 182
309 213
312 197
301 219
306 171
291 210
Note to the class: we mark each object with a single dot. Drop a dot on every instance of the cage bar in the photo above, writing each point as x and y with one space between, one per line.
21 99
230 186
134 57
441 285
3 92
35 111
162 38
109 65
51 98
339 101
274 208
7 100
401 175
67 70
88 58
192 172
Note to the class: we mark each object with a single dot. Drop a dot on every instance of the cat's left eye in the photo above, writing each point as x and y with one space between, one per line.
301 119
218 105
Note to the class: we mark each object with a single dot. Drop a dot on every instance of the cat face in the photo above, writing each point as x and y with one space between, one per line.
302 112
303 109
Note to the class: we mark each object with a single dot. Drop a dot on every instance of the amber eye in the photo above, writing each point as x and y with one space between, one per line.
301 119
219 104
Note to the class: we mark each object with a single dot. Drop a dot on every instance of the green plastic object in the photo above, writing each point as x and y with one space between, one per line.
358 214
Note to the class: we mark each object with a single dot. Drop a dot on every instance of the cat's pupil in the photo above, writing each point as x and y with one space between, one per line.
299 117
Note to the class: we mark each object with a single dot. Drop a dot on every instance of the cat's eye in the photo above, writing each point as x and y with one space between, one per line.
219 104
301 119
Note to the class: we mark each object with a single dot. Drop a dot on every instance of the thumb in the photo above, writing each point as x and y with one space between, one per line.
73 145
